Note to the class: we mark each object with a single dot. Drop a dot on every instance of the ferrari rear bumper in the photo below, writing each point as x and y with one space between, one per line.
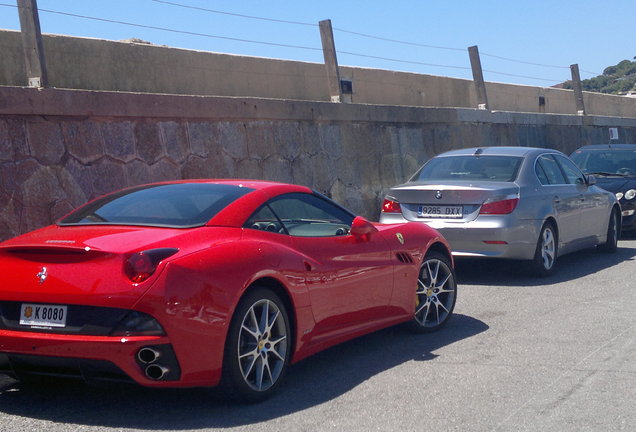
92 371
90 358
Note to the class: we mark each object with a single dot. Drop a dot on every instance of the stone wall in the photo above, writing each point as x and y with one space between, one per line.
95 64
60 148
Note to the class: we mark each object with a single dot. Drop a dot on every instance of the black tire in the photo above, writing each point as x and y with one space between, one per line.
258 347
613 232
436 293
546 253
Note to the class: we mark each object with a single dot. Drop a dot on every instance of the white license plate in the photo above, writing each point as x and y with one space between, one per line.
438 211
40 315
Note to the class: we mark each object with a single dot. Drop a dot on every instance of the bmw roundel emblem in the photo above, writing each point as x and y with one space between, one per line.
438 194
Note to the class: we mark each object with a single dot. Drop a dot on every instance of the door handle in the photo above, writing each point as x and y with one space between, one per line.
308 266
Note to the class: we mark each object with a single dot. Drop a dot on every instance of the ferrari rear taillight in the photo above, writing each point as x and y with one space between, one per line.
499 207
390 206
142 265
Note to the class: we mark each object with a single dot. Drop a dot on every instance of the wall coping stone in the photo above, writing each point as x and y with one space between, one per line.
92 103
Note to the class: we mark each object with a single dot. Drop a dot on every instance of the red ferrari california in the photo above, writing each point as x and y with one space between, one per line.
211 282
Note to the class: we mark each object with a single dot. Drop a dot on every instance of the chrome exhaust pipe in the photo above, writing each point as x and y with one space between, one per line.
148 355
156 372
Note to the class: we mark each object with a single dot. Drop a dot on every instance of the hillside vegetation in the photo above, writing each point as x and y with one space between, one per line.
618 79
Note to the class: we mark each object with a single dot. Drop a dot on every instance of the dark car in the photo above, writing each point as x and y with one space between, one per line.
614 166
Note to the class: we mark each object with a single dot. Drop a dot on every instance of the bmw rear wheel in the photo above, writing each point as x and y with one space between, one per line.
545 254
258 347
435 294
613 232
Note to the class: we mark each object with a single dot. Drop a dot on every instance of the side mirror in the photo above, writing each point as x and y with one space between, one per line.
591 180
362 229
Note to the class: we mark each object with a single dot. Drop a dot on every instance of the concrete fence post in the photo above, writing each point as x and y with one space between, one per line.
578 89
478 78
331 60
32 44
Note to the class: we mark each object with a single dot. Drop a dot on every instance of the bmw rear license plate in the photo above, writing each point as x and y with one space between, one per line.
439 211
41 315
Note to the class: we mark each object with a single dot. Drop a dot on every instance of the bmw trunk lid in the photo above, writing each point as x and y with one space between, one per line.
454 202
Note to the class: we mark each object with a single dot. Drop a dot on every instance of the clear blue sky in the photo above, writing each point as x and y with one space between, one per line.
557 33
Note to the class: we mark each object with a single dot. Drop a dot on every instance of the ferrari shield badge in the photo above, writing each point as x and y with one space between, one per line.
400 238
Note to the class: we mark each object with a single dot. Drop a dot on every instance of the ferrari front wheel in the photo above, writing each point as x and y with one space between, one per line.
258 347
435 294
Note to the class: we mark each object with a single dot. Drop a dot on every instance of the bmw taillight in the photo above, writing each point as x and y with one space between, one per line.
390 206
141 265
499 207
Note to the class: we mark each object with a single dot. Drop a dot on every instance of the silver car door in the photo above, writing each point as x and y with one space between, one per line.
565 200
592 202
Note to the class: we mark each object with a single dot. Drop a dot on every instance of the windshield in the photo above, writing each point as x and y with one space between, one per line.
180 205
489 168
606 161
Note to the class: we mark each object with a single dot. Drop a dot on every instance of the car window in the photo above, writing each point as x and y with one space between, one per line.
541 174
607 161
471 167
264 219
180 205
302 215
548 171
572 173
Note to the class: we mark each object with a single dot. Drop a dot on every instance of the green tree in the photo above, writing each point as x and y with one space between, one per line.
615 79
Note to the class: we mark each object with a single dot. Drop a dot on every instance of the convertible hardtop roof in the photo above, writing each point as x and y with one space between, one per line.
262 190
255 193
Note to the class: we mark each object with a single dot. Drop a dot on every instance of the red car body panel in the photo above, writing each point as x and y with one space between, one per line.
337 288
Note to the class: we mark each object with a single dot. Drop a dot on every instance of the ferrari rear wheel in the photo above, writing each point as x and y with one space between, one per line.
258 347
435 294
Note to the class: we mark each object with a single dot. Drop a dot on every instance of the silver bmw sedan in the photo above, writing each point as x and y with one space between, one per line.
523 203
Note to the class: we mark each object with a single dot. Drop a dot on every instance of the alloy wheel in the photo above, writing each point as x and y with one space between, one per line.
613 232
435 293
548 248
262 345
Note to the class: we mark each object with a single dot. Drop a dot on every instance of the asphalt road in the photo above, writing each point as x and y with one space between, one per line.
520 354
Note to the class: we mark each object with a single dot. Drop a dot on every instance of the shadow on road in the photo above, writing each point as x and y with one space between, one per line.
311 382
500 272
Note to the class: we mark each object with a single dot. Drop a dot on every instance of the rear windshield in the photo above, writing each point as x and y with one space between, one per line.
487 168
607 161
172 205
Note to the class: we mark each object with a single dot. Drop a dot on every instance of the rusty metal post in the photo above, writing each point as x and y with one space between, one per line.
478 78
331 60
32 44
578 89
